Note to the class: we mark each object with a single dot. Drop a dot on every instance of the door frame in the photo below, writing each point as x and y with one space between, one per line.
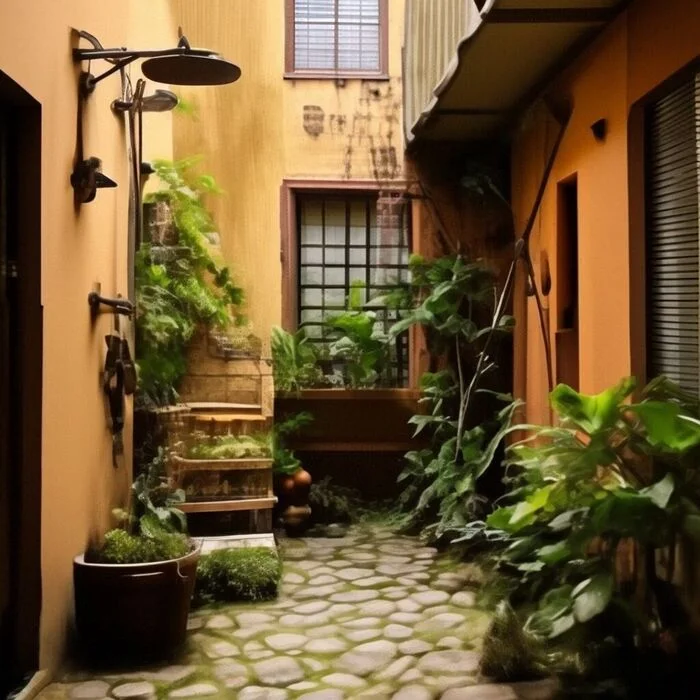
24 419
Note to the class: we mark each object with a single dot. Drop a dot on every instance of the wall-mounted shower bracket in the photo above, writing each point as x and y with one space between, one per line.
117 306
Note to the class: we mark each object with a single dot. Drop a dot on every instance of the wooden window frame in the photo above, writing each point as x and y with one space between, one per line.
289 191
291 73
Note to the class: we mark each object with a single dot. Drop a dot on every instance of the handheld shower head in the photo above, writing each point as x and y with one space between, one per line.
159 101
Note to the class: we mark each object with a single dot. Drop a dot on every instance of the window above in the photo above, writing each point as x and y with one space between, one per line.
336 38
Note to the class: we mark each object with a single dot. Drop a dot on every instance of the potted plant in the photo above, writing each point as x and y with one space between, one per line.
133 589
293 481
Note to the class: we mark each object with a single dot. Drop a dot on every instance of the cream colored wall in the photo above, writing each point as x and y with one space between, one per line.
252 134
645 46
80 486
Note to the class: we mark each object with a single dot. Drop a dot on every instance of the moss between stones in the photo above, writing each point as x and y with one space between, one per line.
252 573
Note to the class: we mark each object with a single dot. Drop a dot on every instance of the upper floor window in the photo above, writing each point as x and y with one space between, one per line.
336 38
673 235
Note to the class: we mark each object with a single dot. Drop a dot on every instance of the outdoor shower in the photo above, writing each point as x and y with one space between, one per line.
180 65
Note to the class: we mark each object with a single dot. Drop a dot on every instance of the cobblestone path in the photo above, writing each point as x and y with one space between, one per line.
368 615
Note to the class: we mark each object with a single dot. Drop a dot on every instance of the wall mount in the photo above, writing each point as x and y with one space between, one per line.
87 177
120 306
179 65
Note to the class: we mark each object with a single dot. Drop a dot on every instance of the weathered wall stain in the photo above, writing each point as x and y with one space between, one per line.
371 132
314 120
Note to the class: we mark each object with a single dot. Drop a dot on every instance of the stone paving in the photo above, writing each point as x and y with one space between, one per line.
369 615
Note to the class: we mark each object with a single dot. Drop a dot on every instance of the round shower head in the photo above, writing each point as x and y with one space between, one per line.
191 69
159 101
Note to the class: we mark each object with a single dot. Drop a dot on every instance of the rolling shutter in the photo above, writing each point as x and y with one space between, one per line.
673 235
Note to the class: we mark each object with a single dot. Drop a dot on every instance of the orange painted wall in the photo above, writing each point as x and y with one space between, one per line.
252 136
643 47
80 486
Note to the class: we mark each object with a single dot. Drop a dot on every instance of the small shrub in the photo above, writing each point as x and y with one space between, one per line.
119 547
238 574
331 503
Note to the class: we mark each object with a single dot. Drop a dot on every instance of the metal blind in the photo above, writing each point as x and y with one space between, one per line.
332 35
673 235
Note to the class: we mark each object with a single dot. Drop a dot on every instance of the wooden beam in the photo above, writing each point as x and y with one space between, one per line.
227 506
469 111
556 15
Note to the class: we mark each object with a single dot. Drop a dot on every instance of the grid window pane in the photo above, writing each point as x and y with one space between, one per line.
332 35
363 239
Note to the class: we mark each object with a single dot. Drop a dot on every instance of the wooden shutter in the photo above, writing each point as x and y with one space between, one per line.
673 249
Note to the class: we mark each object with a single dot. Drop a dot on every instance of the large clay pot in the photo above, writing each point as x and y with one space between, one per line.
296 519
133 612
299 495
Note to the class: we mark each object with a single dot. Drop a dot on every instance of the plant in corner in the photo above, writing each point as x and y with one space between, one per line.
598 508
466 420
133 589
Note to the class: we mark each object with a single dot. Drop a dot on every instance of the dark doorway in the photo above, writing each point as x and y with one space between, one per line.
20 384
567 331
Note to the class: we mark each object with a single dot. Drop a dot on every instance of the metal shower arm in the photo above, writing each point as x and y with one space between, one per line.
122 57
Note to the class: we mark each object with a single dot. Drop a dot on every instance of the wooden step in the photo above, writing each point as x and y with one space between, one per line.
228 506
216 407
228 418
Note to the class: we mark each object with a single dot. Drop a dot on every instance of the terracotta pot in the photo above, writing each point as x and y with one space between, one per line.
133 612
302 485
296 519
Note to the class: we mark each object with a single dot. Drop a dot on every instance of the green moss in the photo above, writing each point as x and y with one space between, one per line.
119 547
252 573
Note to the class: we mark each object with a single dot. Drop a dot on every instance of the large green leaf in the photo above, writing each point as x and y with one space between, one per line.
553 553
660 493
500 518
595 412
592 596
666 427
534 503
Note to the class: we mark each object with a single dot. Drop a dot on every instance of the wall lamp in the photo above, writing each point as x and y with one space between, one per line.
180 65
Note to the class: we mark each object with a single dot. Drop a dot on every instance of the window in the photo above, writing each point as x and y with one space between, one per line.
336 38
673 235
350 244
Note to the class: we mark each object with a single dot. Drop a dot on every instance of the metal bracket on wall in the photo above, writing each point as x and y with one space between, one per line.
117 306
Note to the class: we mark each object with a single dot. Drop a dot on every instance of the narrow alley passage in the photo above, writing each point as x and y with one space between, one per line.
371 614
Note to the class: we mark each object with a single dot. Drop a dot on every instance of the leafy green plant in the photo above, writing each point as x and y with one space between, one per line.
294 361
180 288
284 459
331 503
452 301
231 447
153 529
120 547
612 475
358 341
250 573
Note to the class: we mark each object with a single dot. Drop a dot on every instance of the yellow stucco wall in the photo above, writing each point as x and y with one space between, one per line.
79 484
252 134
643 47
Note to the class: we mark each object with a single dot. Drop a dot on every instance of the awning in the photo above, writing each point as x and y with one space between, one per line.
505 61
